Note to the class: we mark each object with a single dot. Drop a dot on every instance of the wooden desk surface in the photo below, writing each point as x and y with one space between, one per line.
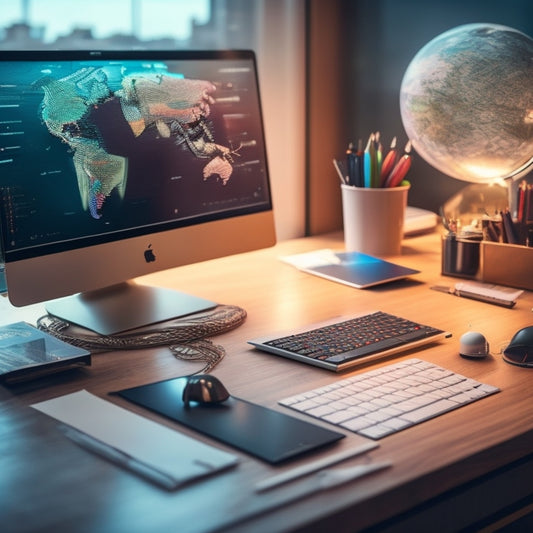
50 483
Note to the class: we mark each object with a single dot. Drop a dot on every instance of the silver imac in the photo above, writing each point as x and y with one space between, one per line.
119 164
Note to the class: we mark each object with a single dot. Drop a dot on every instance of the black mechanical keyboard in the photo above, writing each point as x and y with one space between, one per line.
346 343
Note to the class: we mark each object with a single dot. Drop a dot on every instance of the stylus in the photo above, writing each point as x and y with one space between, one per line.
329 479
483 298
295 473
474 296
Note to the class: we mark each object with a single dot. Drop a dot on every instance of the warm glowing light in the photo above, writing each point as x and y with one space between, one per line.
465 101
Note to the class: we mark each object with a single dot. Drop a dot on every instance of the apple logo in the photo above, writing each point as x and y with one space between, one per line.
149 255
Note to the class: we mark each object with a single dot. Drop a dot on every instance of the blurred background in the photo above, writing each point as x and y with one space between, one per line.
330 72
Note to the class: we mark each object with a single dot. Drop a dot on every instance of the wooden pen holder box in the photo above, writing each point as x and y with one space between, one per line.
506 264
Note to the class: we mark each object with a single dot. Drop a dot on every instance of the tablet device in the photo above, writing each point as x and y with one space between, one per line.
351 268
262 432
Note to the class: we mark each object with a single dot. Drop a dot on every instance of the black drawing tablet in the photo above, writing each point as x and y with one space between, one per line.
267 434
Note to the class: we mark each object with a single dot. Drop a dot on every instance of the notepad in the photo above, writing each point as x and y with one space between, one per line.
351 268
135 442
28 353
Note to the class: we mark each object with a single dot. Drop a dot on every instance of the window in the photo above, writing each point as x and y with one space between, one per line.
202 24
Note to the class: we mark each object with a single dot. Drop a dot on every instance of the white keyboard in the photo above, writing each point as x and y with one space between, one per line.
386 400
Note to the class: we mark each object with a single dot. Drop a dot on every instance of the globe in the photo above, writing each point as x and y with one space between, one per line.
466 102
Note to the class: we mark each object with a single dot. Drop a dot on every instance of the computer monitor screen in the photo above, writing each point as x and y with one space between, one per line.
120 164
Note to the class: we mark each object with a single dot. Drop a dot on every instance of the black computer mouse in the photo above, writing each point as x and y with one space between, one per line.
520 349
204 388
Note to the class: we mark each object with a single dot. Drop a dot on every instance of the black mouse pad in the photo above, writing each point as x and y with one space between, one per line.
262 432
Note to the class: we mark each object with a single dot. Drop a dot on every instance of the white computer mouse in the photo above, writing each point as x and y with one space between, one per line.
474 345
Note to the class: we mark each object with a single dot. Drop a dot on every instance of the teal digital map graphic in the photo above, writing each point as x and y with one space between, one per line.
169 104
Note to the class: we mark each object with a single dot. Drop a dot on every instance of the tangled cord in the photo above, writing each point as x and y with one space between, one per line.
185 337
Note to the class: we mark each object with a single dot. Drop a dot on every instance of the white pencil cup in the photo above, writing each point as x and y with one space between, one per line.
373 219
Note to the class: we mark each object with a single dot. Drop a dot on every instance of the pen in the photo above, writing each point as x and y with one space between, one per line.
520 202
367 161
389 162
352 164
509 228
487 299
340 173
520 219
401 168
376 168
528 205
359 179
474 296
328 479
295 473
